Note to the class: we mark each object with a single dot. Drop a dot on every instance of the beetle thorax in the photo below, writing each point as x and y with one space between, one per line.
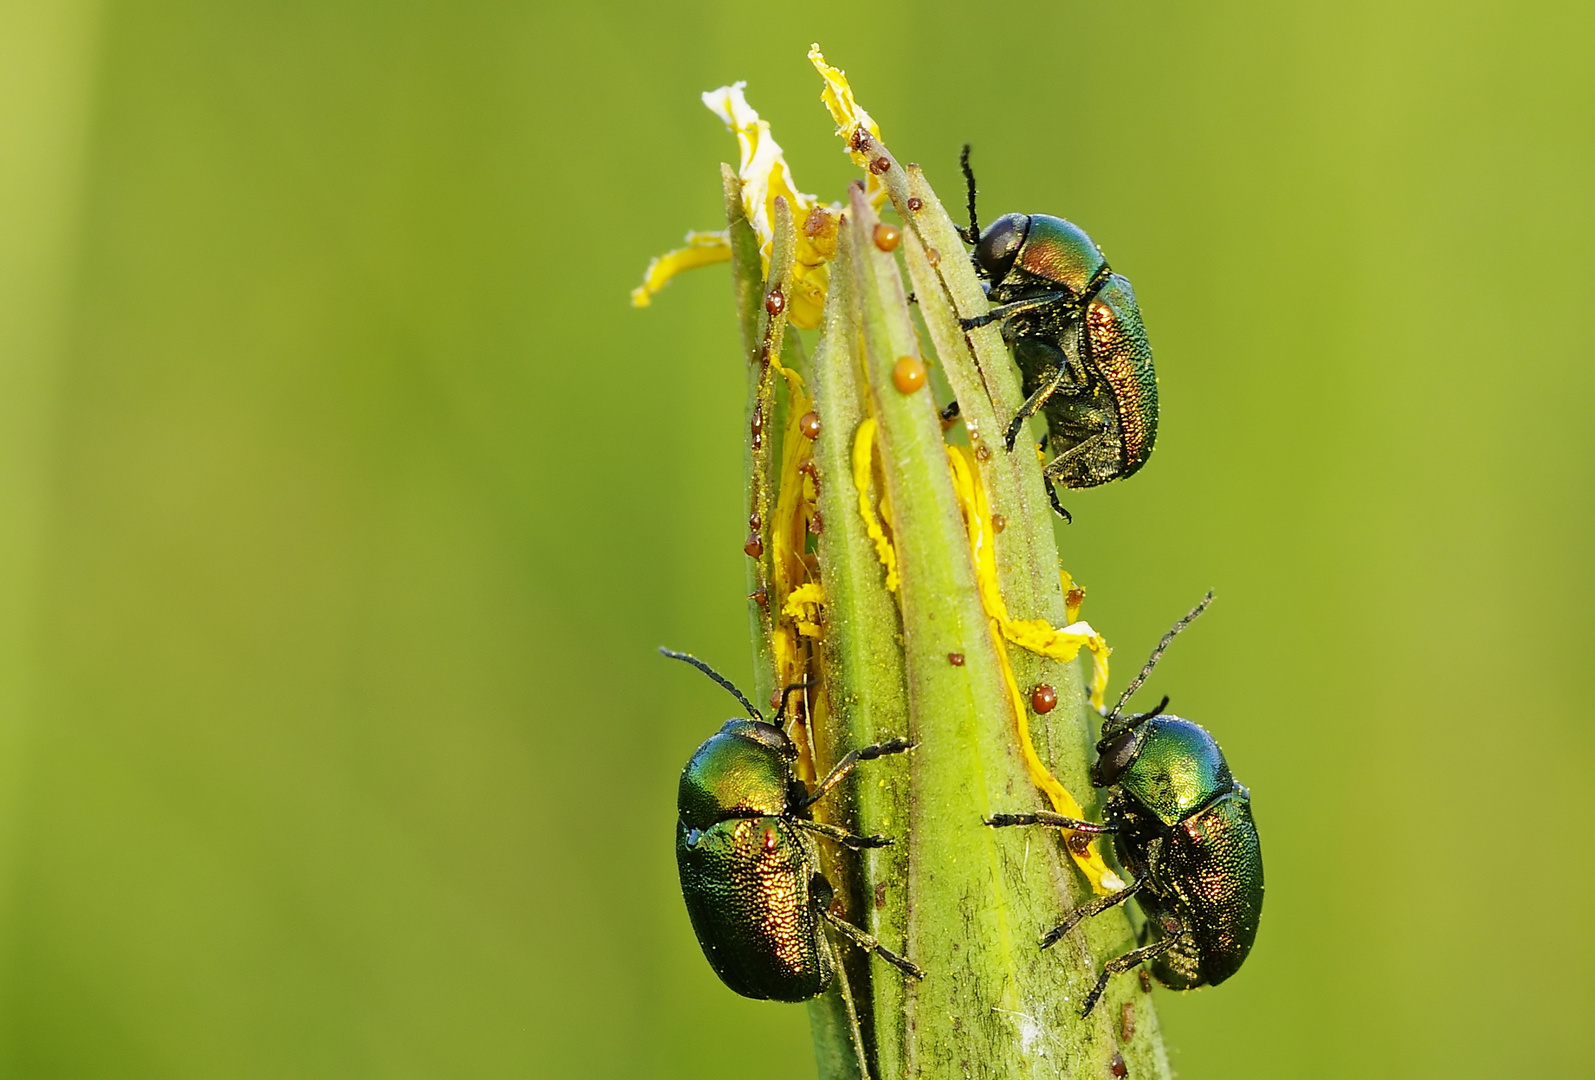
731 776
1058 254
1177 769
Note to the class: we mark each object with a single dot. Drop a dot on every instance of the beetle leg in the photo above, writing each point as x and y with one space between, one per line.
845 766
1055 466
841 836
1086 911
1056 821
1120 964
1052 496
1018 307
869 944
1054 382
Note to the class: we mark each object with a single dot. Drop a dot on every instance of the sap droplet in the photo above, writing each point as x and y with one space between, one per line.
775 303
908 374
916 205
933 256
956 659
1043 698
754 547
809 424
880 165
887 236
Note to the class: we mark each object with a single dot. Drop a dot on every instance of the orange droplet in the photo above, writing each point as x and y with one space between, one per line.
887 236
932 256
998 522
809 424
909 374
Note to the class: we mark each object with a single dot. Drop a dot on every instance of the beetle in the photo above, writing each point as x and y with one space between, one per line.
1182 826
1077 336
749 872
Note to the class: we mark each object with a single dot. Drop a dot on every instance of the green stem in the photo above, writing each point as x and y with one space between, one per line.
979 368
988 1004
764 328
862 665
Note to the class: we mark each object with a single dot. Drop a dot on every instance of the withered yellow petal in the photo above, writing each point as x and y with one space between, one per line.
702 249
849 116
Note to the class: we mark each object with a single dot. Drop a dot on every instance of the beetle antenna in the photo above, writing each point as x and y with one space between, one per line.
1157 654
717 677
969 180
786 695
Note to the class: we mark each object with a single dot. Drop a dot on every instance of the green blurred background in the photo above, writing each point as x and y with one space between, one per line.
343 500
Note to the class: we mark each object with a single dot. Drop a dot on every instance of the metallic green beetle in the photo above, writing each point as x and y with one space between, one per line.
1077 336
749 874
1183 827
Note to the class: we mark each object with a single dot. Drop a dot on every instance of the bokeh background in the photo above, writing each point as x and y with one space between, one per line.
343 500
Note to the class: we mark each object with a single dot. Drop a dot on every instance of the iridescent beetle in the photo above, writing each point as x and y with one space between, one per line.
749 874
1077 336
1182 825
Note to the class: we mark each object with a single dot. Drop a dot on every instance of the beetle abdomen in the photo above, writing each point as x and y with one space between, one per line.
747 887
1213 862
1119 350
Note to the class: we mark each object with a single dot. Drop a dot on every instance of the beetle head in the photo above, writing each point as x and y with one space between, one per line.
999 245
762 732
1120 745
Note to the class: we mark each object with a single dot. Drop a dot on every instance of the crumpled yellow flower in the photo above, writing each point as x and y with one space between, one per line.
803 608
765 177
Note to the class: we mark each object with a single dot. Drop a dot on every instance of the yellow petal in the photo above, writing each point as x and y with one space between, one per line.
766 177
849 116
1073 595
1034 635
863 457
763 169
703 249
